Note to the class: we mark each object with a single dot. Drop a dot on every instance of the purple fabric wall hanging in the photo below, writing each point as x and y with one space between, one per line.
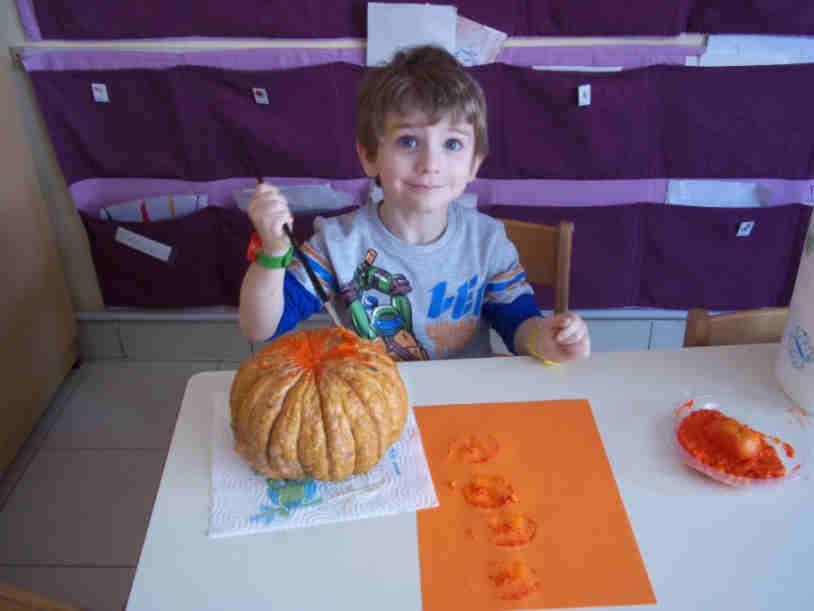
99 19
754 17
676 257
616 18
737 121
88 19
192 276
202 124
692 257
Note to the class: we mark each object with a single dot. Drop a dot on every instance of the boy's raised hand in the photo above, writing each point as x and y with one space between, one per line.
268 212
560 338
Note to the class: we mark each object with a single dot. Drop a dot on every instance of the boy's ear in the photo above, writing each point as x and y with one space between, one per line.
476 161
370 167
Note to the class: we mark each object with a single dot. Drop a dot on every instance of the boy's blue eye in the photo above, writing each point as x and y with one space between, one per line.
407 142
453 144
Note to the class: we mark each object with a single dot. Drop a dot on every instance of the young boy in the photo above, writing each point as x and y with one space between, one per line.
417 272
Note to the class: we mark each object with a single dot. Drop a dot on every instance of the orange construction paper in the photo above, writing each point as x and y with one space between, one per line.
567 540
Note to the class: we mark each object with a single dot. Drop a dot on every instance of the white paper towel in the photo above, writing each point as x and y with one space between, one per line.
795 362
245 502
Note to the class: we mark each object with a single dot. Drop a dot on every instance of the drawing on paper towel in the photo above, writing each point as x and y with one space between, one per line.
286 496
799 347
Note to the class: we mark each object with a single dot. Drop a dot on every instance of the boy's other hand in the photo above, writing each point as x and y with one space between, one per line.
560 338
268 212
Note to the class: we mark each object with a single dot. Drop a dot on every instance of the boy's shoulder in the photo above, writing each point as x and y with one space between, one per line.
342 224
478 221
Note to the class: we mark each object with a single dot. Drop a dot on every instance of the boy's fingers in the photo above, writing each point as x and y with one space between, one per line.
572 334
264 188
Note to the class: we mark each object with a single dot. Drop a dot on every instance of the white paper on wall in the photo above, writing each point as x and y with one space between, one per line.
723 193
751 50
475 43
391 27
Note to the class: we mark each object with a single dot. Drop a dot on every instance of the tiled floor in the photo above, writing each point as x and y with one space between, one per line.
75 504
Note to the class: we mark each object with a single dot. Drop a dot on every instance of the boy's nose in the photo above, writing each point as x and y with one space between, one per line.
429 161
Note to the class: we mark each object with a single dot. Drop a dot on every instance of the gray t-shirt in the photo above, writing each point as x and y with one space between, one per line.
421 301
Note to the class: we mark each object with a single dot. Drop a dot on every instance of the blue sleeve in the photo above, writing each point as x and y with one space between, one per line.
298 304
506 317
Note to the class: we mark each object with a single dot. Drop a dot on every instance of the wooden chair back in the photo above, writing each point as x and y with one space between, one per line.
545 253
758 326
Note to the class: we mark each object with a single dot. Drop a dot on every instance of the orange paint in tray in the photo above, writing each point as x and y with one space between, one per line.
530 515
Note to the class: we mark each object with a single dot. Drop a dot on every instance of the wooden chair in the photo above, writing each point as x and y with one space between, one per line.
545 252
758 326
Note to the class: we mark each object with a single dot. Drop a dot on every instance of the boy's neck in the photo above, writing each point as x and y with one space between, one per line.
411 226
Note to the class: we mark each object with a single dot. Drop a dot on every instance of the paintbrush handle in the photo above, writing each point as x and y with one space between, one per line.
311 275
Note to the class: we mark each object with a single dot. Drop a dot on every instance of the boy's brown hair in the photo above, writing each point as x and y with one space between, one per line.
427 79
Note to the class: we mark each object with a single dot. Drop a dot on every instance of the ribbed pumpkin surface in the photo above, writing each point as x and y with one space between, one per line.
322 404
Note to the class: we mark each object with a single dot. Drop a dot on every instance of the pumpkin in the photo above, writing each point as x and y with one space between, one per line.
322 404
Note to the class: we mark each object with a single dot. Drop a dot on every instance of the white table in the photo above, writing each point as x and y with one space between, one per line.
705 546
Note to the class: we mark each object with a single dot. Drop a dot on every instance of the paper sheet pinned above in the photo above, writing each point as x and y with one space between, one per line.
391 27
475 43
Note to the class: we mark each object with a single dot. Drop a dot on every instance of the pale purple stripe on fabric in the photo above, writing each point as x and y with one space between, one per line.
28 20
95 193
627 56
92 194
531 192
232 59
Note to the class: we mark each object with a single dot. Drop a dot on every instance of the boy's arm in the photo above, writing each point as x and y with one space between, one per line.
261 302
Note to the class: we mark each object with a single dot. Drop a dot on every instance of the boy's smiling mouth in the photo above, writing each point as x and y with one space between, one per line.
423 186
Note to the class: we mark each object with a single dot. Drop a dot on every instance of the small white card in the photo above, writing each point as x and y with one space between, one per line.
143 244
391 27
261 96
99 92
584 95
745 228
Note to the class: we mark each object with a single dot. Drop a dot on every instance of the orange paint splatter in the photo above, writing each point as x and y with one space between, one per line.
710 437
514 580
473 449
313 349
489 492
511 529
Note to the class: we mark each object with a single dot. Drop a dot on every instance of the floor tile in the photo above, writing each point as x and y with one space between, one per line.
81 507
91 589
183 341
100 339
124 405
14 471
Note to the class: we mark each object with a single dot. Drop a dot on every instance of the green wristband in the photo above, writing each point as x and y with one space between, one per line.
269 262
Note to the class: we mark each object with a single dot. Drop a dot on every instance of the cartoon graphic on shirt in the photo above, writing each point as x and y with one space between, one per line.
388 322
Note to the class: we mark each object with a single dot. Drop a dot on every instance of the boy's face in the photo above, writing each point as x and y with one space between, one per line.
423 167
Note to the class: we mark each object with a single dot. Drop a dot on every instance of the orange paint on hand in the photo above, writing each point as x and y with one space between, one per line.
513 580
729 446
489 492
511 529
473 449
